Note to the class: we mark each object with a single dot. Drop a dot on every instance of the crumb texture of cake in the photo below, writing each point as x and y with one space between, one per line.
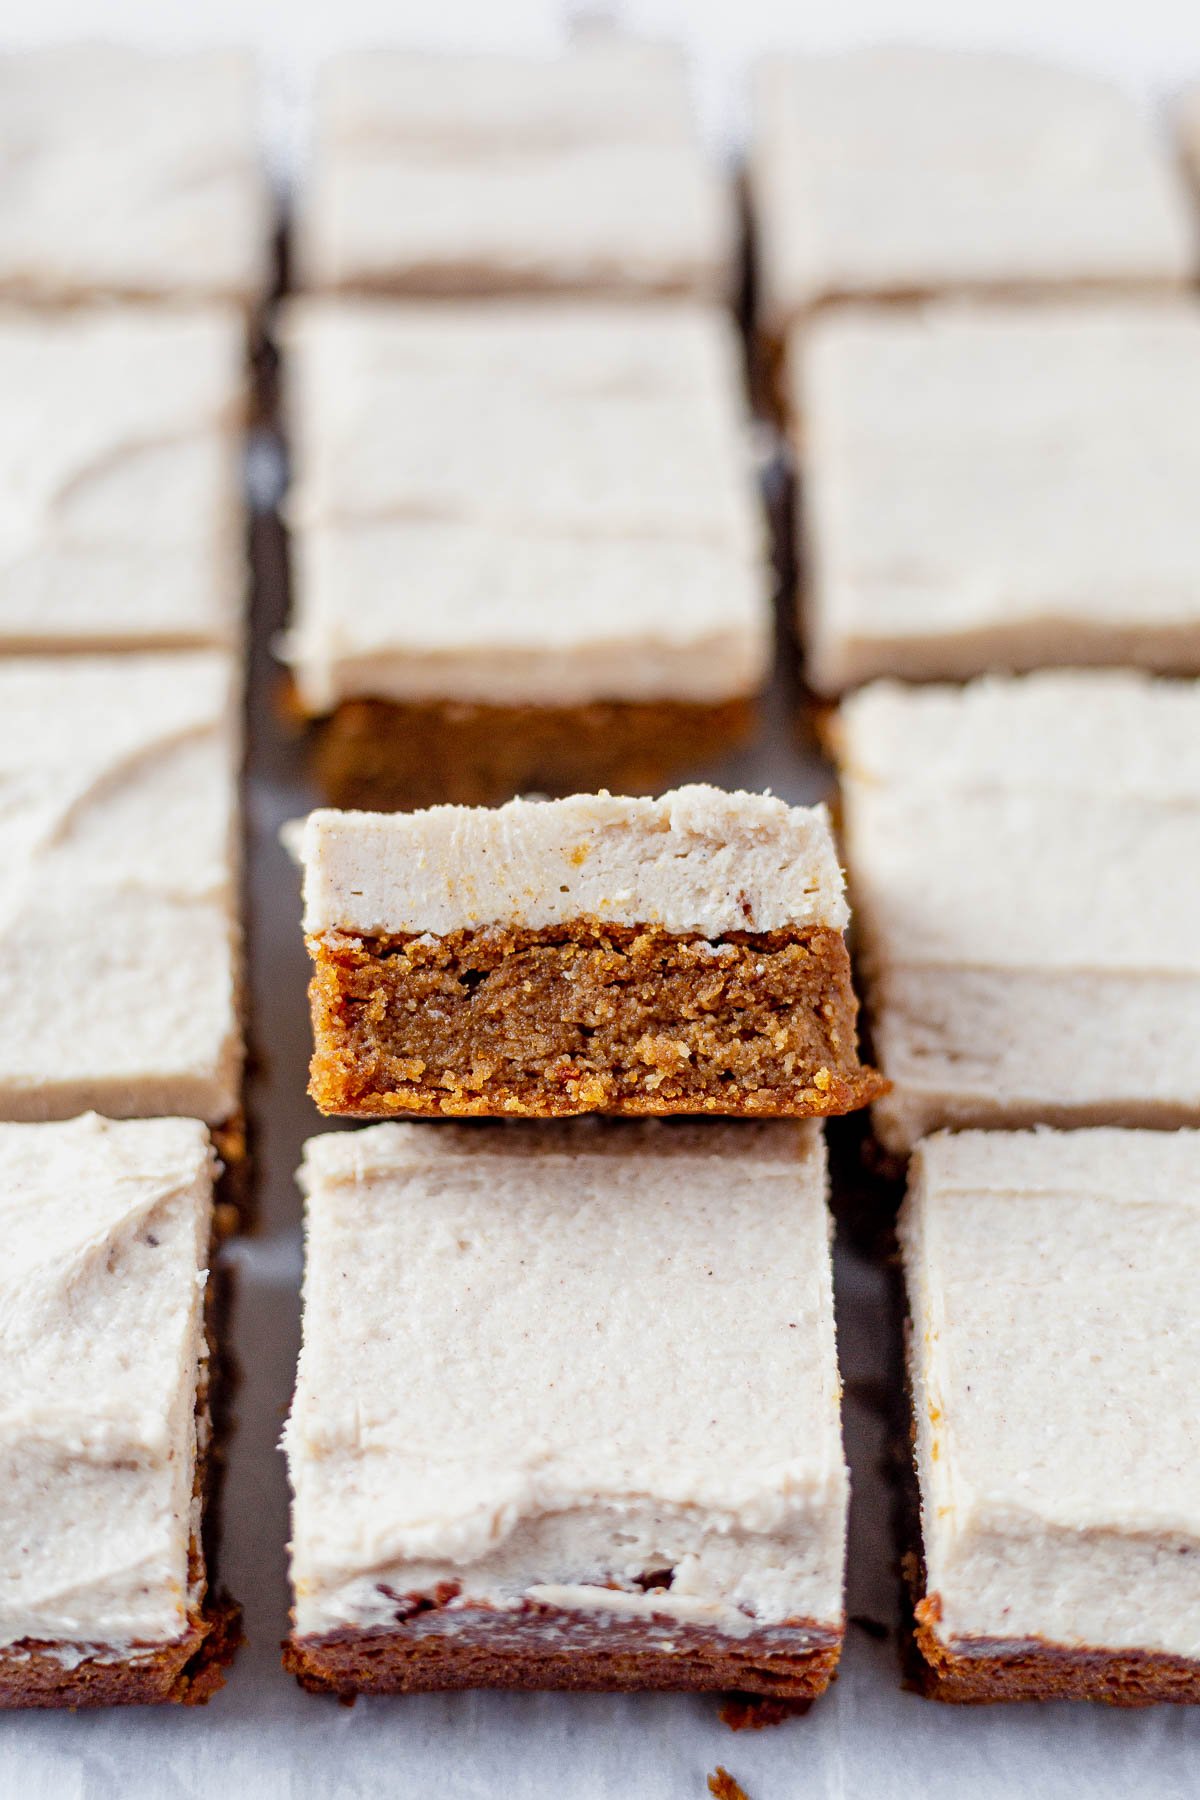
670 1510
131 175
900 172
555 582
104 1419
452 175
122 525
991 489
120 972
596 954
1021 858
1053 1344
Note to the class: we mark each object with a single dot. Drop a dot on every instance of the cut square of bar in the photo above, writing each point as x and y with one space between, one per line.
106 1426
655 1498
120 948
529 554
904 172
990 489
131 175
596 954
120 466
442 174
1022 860
1053 1349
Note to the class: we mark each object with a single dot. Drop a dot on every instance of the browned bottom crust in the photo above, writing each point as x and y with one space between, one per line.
384 756
1032 1669
540 1648
586 1018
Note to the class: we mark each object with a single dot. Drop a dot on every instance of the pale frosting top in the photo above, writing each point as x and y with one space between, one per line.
586 418
522 617
119 935
988 487
106 1234
472 174
1054 1347
1061 813
695 861
120 476
132 175
906 170
448 1270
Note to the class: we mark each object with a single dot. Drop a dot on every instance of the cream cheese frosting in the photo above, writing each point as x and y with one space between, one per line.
899 171
524 617
119 936
687 1427
476 174
120 477
514 505
1000 489
1053 1353
106 1234
698 860
131 175
1049 971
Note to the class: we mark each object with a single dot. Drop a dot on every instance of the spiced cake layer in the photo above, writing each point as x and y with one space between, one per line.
120 968
120 466
106 1418
453 175
527 549
901 172
668 1511
999 489
1053 1347
595 954
1021 856
131 175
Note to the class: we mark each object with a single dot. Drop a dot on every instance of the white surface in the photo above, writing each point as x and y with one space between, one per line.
867 1740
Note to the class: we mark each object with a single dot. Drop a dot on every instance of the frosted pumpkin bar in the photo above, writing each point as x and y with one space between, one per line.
1053 1347
596 954
1021 856
669 1511
106 1416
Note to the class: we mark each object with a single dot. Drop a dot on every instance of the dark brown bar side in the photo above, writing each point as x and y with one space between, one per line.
586 1018
385 756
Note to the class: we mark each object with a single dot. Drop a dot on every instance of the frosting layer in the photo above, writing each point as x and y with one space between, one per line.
119 936
684 1430
697 860
476 174
131 175
120 476
106 1231
992 489
903 171
1054 1345
1022 857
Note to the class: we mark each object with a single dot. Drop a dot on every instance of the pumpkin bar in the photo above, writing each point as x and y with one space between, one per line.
527 548
106 1442
120 948
668 1511
120 466
131 175
1053 1347
1021 857
451 175
992 489
903 172
595 954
